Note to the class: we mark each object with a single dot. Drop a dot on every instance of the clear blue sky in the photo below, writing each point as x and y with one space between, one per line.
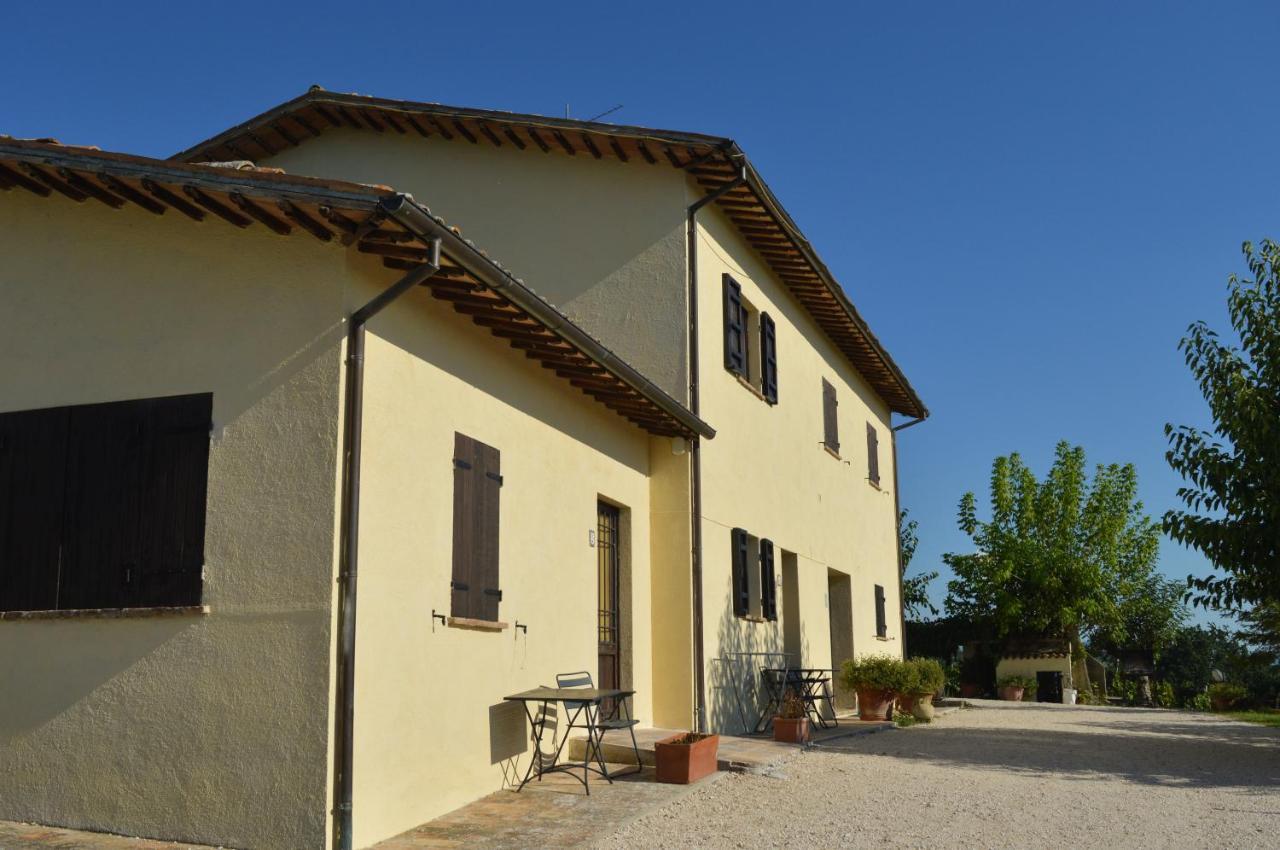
1029 205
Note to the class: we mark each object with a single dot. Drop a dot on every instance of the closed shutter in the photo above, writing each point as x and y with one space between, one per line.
33 447
768 359
873 454
741 582
882 627
175 478
477 479
105 506
102 554
768 582
830 424
735 331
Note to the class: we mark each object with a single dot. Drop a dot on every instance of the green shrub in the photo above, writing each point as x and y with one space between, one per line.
929 675
902 718
877 673
1227 694
1199 702
1163 696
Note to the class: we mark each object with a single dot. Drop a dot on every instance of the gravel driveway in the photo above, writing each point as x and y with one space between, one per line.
1001 775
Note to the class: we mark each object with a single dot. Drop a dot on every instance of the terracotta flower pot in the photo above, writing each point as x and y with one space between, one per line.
904 703
969 690
685 758
922 707
874 704
1011 693
791 730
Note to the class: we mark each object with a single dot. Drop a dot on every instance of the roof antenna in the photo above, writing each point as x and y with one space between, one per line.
603 114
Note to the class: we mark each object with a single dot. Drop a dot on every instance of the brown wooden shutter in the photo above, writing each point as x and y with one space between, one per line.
768 359
33 447
768 582
830 423
101 553
873 454
175 483
735 330
882 627
477 479
741 585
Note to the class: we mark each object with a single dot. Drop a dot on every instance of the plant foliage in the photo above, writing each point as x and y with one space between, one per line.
1232 496
915 590
1058 557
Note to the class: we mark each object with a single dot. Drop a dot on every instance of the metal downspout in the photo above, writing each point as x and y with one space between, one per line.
897 523
352 433
695 452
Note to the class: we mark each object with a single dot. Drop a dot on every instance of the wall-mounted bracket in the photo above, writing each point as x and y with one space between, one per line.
524 627
439 617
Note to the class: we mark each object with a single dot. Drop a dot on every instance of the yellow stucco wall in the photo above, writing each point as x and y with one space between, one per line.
603 240
1028 667
433 732
211 728
766 471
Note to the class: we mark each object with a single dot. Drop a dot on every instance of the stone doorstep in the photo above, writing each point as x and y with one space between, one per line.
735 754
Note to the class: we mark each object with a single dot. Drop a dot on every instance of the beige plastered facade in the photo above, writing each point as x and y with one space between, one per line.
1029 667
606 241
217 727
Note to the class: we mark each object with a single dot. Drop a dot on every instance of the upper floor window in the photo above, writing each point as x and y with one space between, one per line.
103 505
750 342
873 454
830 422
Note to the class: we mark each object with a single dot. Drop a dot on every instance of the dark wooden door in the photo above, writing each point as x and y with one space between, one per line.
609 620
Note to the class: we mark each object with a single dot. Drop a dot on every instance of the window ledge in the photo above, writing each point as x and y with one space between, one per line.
835 454
477 625
107 613
751 388
883 638
875 484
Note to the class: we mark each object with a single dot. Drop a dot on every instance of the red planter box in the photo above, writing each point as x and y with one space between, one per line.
685 758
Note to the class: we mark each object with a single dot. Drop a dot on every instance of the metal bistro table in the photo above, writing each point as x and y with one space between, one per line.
812 686
576 701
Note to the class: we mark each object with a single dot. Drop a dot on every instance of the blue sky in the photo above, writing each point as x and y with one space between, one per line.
1028 204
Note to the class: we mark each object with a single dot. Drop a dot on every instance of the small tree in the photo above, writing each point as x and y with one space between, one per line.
915 590
1058 557
1233 472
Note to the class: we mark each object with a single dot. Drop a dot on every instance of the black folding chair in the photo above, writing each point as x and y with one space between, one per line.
593 721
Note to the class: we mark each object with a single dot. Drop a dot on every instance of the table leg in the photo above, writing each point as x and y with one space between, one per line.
536 758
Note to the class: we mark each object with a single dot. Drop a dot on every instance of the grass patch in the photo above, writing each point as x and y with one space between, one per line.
1265 716
903 719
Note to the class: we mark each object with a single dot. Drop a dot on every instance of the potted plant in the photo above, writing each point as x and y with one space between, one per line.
1012 688
685 758
1225 695
929 679
876 679
791 725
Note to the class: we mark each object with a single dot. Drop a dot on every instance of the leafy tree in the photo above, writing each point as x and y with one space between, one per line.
1150 616
1191 656
915 590
1058 557
1233 472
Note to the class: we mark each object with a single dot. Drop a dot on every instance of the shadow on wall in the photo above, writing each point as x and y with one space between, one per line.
58 663
509 738
736 692
1197 753
472 355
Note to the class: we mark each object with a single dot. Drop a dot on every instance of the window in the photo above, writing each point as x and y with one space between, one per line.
882 626
103 505
755 589
736 344
750 342
830 426
768 359
477 479
873 455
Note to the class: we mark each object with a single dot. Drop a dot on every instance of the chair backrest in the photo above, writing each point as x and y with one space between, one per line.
581 679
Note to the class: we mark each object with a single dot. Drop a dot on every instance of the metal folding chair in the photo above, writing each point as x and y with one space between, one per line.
584 716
